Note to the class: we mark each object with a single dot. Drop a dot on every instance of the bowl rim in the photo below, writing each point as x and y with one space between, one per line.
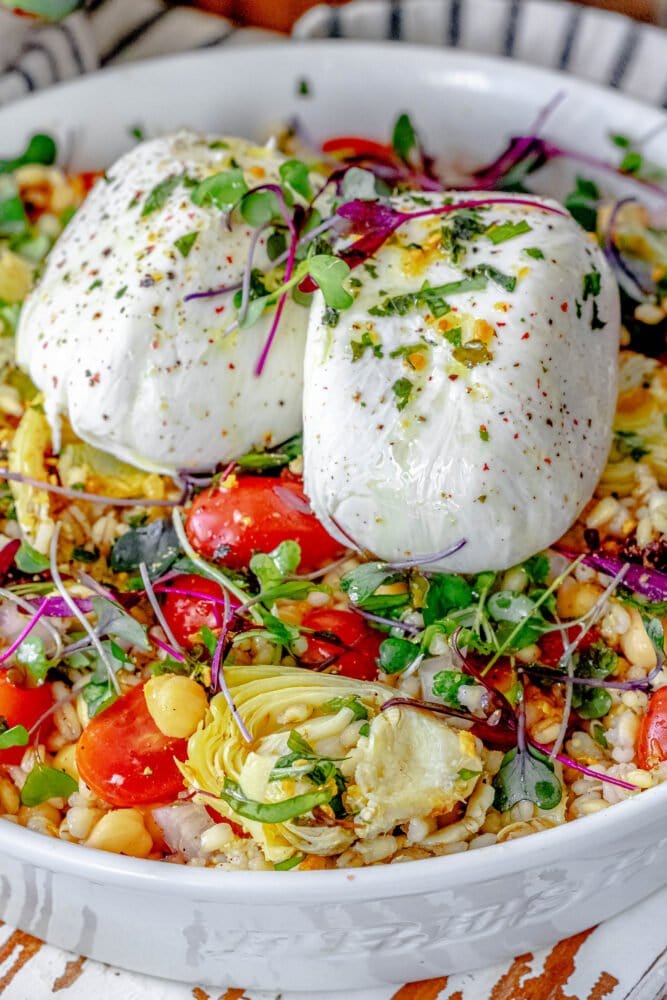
590 833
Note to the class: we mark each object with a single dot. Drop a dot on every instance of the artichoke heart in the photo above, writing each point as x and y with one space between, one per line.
27 455
407 763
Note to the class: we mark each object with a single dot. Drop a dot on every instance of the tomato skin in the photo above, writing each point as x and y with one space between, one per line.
21 706
652 738
185 614
256 514
124 758
354 145
356 653
551 643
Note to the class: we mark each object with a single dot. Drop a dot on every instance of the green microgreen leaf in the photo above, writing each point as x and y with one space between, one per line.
29 560
526 776
295 174
40 149
14 736
98 695
31 654
359 711
329 273
271 568
404 137
222 190
402 390
44 783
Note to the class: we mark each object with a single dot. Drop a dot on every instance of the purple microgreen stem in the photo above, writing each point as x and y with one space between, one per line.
171 650
428 559
70 602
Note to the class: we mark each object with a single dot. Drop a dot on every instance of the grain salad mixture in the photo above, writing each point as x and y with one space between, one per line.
332 521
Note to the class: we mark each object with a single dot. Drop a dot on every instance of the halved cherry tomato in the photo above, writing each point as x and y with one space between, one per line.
187 614
354 145
124 758
256 514
652 739
356 653
22 706
551 643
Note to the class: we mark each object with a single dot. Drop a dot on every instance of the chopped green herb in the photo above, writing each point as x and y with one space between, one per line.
330 317
483 432
304 87
453 336
159 196
184 244
137 133
582 204
533 252
447 685
121 292
502 232
591 284
359 347
365 730
465 774
504 281
402 390
289 863
81 554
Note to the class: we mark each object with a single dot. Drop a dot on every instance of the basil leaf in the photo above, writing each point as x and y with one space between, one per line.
155 544
446 592
396 655
271 812
40 149
448 683
29 560
271 568
15 736
526 776
44 783
282 456
362 581
289 863
222 190
158 197
31 654
98 695
359 711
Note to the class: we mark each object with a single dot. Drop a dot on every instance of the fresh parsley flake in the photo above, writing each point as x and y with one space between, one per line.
402 389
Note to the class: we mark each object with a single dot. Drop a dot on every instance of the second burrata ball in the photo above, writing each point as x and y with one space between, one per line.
468 393
109 339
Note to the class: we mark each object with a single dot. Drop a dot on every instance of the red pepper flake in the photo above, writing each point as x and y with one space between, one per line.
564 306
155 345
453 378
219 309
526 335
230 260
516 437
547 461
485 467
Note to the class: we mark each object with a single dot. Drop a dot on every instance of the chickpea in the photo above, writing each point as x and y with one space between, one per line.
176 704
636 645
576 599
122 831
65 760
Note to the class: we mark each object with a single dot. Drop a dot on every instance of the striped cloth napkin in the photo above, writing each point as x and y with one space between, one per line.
594 44
104 33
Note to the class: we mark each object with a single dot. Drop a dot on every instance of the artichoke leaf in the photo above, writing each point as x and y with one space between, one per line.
27 457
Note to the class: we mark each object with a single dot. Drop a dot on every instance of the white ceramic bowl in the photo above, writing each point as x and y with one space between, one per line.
362 927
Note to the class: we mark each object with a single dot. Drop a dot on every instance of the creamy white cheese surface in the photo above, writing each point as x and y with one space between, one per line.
482 414
110 341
